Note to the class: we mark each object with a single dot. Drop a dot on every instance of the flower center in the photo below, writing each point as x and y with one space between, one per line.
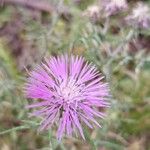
70 91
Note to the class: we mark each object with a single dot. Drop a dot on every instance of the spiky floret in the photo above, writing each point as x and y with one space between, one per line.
69 91
140 16
112 7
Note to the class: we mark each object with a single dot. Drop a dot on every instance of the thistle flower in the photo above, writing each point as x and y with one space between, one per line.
112 7
93 13
70 92
140 16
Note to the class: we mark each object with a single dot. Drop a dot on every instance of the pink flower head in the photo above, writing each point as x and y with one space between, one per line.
140 16
112 7
70 92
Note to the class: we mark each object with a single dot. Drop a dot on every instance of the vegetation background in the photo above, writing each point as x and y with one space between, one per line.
30 32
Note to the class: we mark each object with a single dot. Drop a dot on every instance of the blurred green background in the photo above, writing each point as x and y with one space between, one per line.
122 54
